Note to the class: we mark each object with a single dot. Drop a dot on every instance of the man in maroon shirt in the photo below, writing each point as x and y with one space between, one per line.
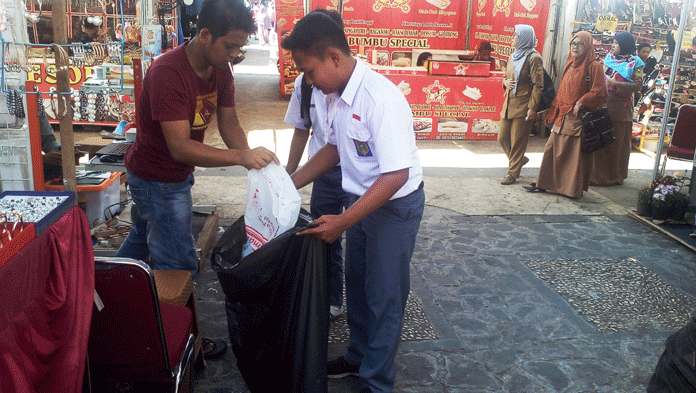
182 91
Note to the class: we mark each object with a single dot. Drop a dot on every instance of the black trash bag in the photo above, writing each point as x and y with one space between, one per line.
277 307
676 370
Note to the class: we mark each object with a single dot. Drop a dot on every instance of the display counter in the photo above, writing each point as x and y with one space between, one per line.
46 301
450 107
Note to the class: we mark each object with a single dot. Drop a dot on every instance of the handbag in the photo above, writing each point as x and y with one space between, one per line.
597 131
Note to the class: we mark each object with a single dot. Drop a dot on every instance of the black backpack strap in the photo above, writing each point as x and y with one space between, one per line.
306 91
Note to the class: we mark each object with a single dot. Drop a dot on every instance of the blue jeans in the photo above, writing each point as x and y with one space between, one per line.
328 197
162 229
378 256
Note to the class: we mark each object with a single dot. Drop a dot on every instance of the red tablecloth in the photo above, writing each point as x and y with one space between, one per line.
46 297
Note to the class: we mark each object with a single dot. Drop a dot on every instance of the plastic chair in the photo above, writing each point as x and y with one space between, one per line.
134 338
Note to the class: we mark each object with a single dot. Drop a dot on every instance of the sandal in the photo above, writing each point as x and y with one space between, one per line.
213 349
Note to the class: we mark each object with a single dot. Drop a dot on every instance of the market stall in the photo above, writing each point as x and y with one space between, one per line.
669 27
101 73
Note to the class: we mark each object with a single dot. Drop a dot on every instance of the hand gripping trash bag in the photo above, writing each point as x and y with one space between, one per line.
273 204
277 308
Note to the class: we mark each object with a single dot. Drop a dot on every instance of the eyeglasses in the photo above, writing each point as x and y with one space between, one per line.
576 44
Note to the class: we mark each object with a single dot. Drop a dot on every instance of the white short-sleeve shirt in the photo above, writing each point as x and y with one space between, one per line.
372 126
317 113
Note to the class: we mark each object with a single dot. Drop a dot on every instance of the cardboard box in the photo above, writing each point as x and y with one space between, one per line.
456 68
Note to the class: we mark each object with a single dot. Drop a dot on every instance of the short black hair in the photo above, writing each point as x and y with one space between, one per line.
88 25
316 32
643 45
222 16
422 57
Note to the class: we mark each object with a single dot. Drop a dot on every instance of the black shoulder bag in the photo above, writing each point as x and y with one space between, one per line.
597 130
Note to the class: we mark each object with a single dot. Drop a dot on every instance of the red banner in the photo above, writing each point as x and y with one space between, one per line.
288 13
506 14
393 28
452 107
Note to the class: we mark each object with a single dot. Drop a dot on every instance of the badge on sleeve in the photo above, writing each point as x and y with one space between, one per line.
362 148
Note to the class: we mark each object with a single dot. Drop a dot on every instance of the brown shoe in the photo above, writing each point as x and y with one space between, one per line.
507 180
525 160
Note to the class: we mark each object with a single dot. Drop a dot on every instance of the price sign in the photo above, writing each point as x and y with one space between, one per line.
606 22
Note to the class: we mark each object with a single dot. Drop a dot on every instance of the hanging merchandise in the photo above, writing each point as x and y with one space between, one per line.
39 103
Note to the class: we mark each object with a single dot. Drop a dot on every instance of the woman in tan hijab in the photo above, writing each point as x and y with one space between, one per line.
565 169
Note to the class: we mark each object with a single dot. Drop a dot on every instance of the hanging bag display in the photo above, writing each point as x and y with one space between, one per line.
597 130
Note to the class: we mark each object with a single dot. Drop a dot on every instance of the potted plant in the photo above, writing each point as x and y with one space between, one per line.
668 200
644 205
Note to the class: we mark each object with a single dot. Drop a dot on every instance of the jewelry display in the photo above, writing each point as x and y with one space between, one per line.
77 115
83 104
16 211
100 105
39 102
91 107
19 105
7 231
34 208
114 51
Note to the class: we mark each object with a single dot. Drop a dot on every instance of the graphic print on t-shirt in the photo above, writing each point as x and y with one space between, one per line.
205 110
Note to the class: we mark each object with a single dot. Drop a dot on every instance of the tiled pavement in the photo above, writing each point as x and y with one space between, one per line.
506 295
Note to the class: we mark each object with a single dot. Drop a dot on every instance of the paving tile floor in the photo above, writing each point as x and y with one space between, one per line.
500 325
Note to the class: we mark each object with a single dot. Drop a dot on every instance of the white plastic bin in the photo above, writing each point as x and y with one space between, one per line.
98 198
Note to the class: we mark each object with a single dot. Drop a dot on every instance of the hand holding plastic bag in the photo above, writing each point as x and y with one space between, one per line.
273 205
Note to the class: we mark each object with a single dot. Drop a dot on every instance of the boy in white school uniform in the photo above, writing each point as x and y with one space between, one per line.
371 134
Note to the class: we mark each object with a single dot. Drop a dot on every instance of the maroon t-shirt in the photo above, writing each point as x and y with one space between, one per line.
173 91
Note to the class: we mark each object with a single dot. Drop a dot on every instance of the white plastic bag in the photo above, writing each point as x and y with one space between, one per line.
273 205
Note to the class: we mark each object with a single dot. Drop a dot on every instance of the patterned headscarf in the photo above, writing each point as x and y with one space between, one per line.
625 62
